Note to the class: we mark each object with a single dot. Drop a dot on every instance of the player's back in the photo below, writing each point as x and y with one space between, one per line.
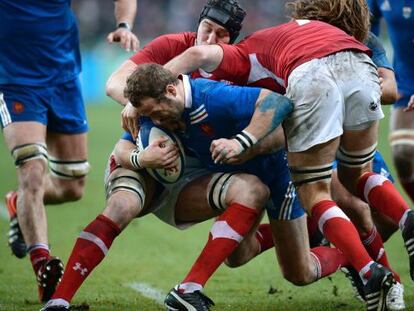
283 48
39 42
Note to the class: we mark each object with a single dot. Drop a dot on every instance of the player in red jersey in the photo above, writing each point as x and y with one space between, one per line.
335 89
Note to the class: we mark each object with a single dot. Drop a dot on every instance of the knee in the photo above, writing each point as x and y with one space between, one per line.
254 192
74 191
298 278
403 154
122 207
232 262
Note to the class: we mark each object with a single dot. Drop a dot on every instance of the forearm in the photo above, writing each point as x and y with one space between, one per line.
271 110
273 142
125 11
117 81
207 58
122 152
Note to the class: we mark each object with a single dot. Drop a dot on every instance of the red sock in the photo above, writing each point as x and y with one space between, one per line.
226 233
375 247
89 250
382 195
339 230
39 253
265 237
328 259
409 188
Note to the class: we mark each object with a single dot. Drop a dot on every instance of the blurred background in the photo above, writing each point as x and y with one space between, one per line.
154 18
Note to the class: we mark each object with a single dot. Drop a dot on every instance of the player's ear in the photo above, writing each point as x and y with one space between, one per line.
171 90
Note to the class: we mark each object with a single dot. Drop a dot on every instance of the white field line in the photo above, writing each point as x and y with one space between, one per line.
3 213
148 291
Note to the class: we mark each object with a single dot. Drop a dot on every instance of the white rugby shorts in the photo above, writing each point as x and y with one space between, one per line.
331 94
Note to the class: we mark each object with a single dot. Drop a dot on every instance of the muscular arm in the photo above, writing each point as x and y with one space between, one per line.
125 12
117 81
270 110
122 153
205 57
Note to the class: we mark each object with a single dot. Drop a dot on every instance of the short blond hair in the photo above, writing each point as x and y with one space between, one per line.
352 16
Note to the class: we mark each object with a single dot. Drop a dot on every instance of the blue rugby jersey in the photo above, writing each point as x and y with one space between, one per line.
39 42
399 16
218 111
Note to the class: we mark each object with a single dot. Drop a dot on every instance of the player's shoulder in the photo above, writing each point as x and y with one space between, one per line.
183 38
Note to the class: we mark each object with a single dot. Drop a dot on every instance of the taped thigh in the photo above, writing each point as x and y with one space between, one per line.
217 190
68 169
356 158
122 179
28 152
310 174
402 137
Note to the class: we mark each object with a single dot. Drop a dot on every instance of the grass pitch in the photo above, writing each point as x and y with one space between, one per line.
149 257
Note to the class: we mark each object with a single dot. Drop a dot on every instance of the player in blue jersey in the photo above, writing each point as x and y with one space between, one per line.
399 18
43 118
175 104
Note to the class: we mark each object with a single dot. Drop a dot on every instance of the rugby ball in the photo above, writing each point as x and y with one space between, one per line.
147 134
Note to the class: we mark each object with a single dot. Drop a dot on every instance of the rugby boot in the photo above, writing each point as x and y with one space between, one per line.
395 297
356 282
408 236
15 236
195 301
48 277
55 308
378 287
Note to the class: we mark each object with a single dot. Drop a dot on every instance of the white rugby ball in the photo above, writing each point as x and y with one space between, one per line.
147 134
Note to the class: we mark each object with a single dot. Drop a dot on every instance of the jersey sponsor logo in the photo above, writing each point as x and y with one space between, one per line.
17 107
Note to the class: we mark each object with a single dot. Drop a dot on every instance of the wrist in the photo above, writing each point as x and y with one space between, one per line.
245 139
125 25
135 159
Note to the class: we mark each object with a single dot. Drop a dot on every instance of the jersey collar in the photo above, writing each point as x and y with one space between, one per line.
188 100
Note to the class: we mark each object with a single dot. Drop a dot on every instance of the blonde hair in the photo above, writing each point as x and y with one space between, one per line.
352 16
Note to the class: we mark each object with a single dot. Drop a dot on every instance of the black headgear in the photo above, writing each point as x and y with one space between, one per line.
226 13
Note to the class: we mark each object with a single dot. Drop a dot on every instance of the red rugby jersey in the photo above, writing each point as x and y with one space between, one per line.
275 52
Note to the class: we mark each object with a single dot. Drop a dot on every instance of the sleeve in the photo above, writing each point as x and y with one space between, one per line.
375 16
234 67
164 48
229 102
379 56
127 136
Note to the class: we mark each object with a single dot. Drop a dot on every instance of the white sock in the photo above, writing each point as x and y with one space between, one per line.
190 287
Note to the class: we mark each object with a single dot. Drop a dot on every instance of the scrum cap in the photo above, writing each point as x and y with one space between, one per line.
226 13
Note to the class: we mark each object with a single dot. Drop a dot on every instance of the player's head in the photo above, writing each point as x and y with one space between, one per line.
153 90
352 16
220 22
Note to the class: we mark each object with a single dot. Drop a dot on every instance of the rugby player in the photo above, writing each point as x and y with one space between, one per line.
43 119
399 18
312 140
237 198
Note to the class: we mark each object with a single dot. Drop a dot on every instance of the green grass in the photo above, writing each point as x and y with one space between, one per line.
151 252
